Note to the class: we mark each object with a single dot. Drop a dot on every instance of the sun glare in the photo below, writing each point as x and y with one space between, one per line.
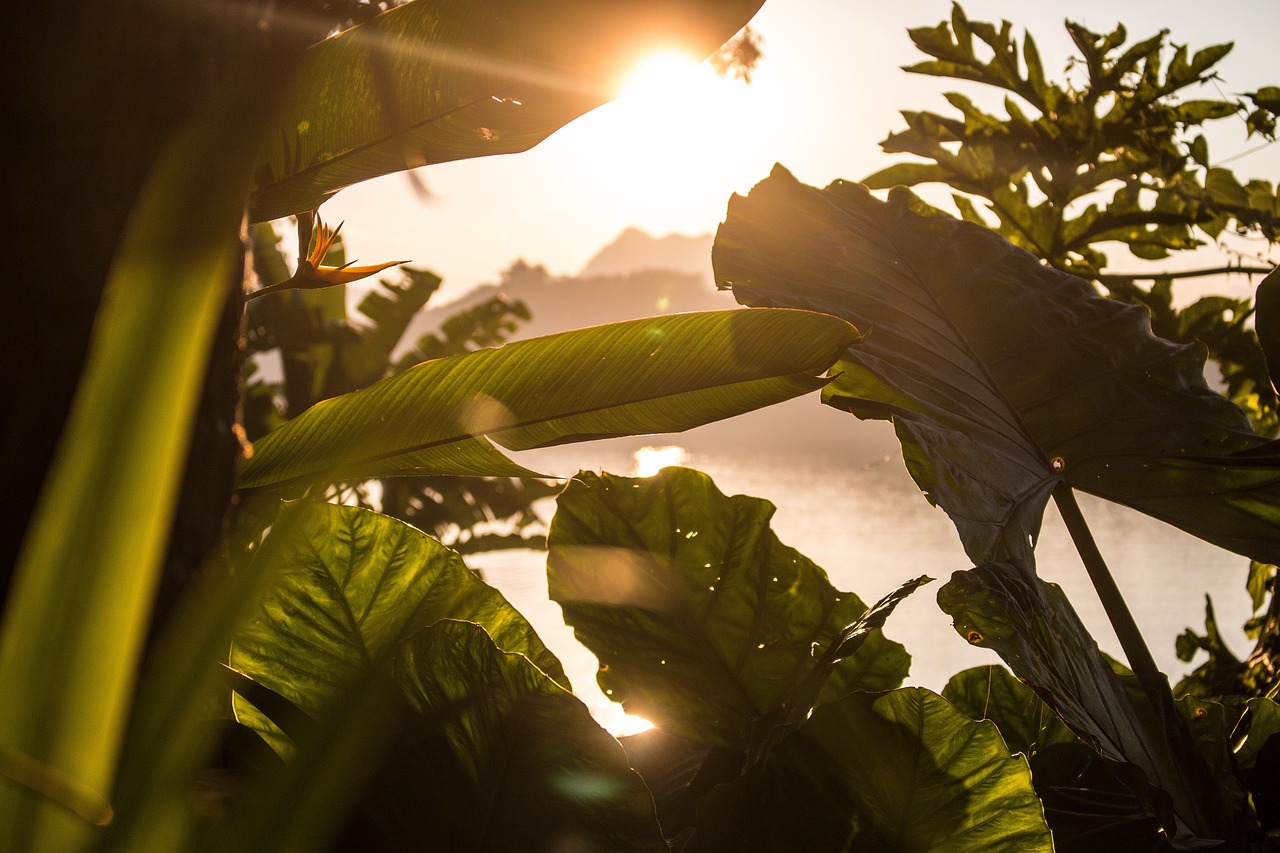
660 75
651 460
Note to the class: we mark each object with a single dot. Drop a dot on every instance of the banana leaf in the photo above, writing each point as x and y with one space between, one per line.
431 82
662 374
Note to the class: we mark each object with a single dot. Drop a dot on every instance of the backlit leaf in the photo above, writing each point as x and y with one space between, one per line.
431 82
703 621
352 586
898 771
662 374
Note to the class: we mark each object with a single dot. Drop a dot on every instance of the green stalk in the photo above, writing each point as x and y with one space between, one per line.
77 614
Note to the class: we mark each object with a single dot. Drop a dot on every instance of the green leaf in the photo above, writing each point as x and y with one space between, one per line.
511 760
1002 376
662 374
433 82
702 620
1035 630
1025 721
352 586
1259 583
899 771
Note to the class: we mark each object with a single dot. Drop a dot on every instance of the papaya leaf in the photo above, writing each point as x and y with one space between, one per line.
1035 630
702 620
523 764
897 771
352 585
428 83
662 374
1002 376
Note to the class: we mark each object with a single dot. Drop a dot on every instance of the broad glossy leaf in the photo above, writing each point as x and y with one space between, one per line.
991 693
899 771
662 374
497 757
352 586
1002 376
1035 630
702 620
430 82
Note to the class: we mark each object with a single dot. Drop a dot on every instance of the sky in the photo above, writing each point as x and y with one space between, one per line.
828 89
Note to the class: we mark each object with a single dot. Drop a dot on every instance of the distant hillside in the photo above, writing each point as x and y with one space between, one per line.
634 250
668 282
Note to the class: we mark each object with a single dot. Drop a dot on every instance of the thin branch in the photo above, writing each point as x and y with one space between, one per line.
1152 276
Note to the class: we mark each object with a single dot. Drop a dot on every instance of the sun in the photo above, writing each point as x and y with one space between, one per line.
661 75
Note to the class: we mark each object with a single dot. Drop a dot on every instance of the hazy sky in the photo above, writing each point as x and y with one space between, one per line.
828 90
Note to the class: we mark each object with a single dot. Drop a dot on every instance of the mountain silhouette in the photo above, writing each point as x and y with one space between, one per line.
636 276
634 251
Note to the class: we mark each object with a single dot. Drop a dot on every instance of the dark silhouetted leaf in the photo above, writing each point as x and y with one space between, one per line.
1035 630
496 757
1002 376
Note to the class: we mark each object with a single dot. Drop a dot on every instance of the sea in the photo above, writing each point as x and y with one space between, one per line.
855 512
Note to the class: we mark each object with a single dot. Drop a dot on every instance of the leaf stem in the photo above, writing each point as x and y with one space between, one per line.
1215 818
1131 640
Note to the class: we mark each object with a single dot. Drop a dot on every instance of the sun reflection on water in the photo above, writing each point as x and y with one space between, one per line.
651 460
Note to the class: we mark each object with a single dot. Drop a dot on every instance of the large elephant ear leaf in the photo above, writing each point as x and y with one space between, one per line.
703 621
522 764
1002 376
1036 631
900 771
352 585
433 82
662 374
1027 724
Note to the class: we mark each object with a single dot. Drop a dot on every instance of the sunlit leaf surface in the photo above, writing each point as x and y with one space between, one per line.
662 374
702 619
353 585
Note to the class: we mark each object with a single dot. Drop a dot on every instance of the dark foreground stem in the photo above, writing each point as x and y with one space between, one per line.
1131 641
1197 776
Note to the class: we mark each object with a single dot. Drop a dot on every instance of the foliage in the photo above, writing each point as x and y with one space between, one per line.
1008 381
1116 155
406 704
1040 380
80 599
323 353
703 622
